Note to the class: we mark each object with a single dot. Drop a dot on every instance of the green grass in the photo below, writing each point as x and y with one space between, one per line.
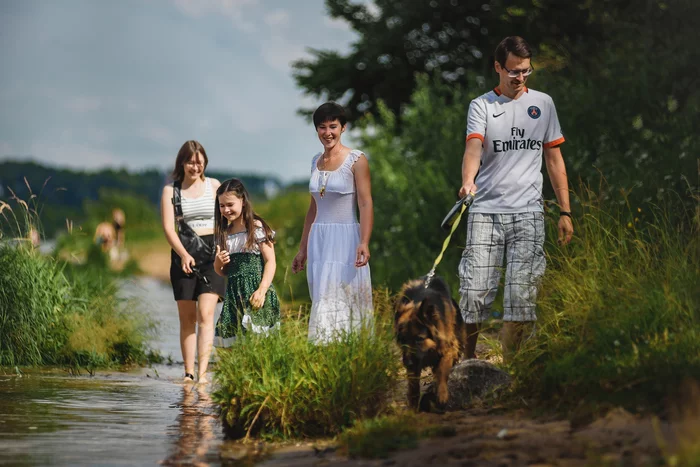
283 386
54 312
619 312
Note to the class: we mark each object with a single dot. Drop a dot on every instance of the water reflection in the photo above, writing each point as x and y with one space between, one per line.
144 417
194 439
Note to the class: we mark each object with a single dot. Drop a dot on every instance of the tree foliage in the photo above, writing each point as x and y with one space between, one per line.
415 178
621 73
455 38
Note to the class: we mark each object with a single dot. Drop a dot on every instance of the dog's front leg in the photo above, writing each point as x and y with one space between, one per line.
442 374
413 387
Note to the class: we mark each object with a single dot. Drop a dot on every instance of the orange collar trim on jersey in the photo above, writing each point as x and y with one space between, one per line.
498 92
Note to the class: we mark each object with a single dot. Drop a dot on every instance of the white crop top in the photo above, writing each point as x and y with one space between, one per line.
199 212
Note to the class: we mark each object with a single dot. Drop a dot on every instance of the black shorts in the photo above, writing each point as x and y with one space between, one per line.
190 286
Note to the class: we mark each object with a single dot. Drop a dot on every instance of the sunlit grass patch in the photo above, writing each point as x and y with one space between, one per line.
284 386
619 312
53 313
56 313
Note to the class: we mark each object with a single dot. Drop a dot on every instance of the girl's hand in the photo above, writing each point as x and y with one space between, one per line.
187 263
222 258
299 261
257 300
362 255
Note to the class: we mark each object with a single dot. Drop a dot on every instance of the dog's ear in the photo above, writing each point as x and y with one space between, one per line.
403 311
429 312
400 303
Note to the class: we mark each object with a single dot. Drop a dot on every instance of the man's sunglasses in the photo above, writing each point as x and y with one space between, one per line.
515 73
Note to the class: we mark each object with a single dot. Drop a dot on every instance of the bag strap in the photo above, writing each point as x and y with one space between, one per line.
177 200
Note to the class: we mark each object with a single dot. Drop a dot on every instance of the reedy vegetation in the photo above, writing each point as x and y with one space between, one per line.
284 386
57 313
619 310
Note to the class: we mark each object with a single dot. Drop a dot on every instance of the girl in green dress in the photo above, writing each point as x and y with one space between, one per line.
245 255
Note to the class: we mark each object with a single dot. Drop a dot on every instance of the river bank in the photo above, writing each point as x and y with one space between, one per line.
496 436
146 417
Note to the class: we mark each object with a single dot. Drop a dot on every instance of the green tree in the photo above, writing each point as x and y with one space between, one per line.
630 111
415 179
453 38
620 72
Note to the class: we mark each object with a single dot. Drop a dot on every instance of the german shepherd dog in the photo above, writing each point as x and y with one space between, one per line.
431 332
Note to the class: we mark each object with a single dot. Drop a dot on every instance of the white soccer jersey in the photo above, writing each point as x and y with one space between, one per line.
514 133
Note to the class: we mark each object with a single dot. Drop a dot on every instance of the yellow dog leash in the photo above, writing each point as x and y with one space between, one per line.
453 217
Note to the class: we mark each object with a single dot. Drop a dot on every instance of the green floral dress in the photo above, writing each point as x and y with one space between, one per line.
244 275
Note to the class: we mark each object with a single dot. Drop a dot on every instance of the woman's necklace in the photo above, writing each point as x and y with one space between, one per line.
324 177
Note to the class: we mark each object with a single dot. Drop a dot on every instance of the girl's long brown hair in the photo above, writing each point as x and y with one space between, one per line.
221 225
189 149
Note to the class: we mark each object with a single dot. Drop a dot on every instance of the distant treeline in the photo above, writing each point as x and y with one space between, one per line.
62 194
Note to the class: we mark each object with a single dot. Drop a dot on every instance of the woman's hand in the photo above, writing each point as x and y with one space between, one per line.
187 263
299 261
362 255
257 300
221 259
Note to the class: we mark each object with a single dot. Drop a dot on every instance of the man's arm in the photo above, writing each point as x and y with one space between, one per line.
470 165
557 175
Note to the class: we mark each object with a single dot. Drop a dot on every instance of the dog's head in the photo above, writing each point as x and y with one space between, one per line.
420 319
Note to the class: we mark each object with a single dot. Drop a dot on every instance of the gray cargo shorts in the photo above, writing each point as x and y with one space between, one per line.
520 238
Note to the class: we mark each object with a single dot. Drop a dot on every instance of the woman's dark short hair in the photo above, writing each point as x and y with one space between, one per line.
515 45
328 112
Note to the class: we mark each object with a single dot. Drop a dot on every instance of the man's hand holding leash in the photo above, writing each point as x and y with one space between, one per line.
466 189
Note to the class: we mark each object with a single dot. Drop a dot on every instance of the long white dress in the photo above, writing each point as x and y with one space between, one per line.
341 293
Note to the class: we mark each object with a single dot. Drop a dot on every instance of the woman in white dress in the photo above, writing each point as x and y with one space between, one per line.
335 245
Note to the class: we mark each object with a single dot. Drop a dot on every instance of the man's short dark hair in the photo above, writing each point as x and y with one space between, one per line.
515 45
328 112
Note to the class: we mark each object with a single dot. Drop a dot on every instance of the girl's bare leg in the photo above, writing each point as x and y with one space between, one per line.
188 337
205 320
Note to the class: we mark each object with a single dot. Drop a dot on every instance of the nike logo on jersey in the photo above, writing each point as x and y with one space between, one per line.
498 115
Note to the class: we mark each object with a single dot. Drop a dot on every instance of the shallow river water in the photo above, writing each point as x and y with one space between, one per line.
143 417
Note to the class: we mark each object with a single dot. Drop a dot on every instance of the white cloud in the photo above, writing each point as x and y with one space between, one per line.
5 149
279 52
277 18
336 23
132 105
232 9
83 104
192 72
158 134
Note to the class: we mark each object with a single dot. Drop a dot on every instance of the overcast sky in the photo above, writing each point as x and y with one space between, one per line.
92 83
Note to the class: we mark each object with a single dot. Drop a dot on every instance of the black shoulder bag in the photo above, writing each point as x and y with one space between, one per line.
193 243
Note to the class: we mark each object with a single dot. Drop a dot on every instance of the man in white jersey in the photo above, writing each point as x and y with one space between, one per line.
508 131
